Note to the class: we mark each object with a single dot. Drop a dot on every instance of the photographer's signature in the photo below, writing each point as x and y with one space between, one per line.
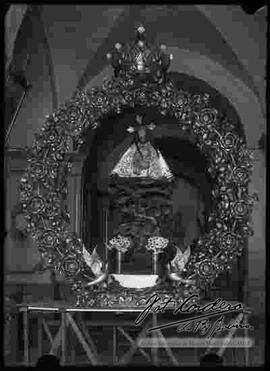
199 323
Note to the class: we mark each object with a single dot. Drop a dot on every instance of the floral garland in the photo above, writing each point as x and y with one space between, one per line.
43 188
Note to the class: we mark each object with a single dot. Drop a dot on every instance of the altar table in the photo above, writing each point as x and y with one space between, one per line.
70 318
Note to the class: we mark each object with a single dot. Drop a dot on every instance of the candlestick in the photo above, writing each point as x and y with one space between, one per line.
119 255
155 255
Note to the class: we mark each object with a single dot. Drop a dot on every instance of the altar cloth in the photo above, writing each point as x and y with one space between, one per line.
137 281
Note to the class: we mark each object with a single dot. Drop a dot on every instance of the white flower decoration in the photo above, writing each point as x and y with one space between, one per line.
157 244
119 243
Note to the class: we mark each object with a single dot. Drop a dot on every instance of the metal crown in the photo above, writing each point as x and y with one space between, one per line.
140 59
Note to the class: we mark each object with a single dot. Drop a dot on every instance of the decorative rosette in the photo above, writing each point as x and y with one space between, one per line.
207 269
53 139
157 244
229 141
208 117
240 175
36 205
229 241
120 243
100 101
70 266
49 239
240 209
141 96
37 169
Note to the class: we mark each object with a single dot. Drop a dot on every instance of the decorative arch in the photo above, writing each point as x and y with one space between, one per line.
43 188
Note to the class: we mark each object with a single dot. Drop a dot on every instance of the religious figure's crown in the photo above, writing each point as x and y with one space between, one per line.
140 59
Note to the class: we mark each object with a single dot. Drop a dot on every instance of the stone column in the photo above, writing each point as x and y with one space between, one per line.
256 270
256 243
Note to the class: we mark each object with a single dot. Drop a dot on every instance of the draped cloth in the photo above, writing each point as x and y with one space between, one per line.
142 160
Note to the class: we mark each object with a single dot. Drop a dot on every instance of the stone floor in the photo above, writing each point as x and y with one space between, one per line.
185 357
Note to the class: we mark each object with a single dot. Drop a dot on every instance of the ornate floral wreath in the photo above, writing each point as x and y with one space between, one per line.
43 188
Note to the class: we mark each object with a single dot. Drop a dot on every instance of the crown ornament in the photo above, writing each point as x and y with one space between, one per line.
140 59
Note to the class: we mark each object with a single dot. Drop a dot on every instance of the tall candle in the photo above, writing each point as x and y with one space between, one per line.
155 257
119 256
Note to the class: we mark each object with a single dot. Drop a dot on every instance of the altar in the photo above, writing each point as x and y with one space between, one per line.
71 321
144 248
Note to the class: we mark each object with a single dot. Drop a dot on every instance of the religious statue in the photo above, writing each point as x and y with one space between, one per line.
142 159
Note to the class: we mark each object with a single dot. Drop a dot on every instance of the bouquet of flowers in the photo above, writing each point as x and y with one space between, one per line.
157 244
119 243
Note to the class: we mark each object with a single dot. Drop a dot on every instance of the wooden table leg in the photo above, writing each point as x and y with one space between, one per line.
16 338
40 335
87 347
73 349
135 344
234 361
115 345
63 338
26 337
86 334
123 332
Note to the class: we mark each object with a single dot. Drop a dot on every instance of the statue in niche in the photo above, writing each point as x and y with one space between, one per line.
141 189
146 234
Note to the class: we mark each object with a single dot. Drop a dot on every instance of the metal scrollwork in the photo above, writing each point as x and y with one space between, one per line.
43 186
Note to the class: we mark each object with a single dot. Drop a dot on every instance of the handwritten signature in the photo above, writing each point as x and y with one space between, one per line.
200 322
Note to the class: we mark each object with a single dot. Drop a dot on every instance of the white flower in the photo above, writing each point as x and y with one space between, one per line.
157 244
120 243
